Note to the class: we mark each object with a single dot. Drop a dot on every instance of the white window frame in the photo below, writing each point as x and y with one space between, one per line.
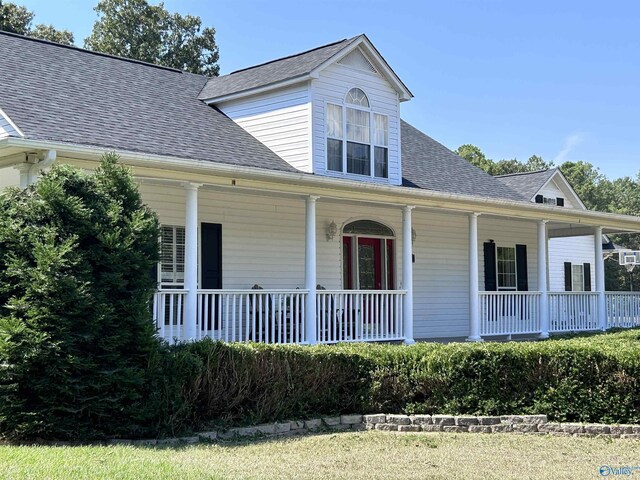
372 140
174 260
515 263
575 287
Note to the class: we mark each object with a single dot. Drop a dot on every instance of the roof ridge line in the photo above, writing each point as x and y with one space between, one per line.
290 56
92 52
525 173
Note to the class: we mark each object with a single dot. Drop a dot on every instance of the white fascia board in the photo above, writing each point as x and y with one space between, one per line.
10 122
343 188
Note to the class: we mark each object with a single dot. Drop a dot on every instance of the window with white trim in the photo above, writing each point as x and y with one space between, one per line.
577 278
172 245
506 268
355 136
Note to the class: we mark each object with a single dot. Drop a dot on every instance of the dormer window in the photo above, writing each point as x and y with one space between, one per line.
355 135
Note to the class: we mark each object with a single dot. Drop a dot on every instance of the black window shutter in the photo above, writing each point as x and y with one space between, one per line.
560 202
539 199
153 273
587 277
490 277
521 268
567 277
211 255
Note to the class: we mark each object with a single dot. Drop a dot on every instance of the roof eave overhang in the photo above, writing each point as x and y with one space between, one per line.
256 91
305 184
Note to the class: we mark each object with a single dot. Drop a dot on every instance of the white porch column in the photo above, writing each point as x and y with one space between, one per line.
191 261
24 169
542 279
599 262
407 274
310 278
474 273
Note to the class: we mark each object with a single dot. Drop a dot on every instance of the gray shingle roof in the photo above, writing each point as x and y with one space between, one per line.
67 94
70 95
272 72
529 183
430 165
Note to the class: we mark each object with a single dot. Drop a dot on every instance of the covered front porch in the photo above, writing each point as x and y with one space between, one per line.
297 269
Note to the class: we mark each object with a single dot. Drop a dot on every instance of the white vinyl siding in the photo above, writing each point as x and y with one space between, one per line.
9 177
262 236
280 119
575 250
330 88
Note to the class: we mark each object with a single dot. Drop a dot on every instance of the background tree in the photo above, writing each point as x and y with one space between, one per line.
17 19
136 29
49 32
76 333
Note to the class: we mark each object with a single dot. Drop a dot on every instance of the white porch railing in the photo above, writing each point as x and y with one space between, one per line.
506 313
269 316
359 315
623 309
168 313
573 311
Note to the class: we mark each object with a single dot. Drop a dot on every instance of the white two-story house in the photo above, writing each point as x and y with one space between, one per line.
297 206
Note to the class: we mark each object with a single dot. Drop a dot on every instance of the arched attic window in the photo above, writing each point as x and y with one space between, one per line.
356 96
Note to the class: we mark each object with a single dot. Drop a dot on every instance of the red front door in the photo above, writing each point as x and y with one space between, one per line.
369 264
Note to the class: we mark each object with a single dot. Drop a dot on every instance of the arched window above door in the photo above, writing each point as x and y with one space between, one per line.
367 227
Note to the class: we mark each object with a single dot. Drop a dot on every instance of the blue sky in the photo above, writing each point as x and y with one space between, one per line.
560 79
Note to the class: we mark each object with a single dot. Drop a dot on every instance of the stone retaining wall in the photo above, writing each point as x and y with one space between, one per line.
518 424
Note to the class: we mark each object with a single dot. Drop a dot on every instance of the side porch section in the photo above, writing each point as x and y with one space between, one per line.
542 312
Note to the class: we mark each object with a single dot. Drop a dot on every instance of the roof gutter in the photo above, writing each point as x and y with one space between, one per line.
412 196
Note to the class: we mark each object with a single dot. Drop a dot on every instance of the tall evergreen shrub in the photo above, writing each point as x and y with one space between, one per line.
76 333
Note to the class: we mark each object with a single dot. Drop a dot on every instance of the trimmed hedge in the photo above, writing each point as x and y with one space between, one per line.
586 379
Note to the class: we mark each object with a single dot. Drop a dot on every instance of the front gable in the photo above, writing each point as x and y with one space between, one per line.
331 93
291 116
558 187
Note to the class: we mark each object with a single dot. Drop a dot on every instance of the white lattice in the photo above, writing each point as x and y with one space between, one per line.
356 59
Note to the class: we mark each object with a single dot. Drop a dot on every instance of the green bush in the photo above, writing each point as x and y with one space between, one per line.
591 379
76 334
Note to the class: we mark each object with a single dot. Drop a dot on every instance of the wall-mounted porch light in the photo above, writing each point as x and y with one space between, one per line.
332 230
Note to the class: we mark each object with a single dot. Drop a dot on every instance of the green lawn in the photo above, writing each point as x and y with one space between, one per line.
365 455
